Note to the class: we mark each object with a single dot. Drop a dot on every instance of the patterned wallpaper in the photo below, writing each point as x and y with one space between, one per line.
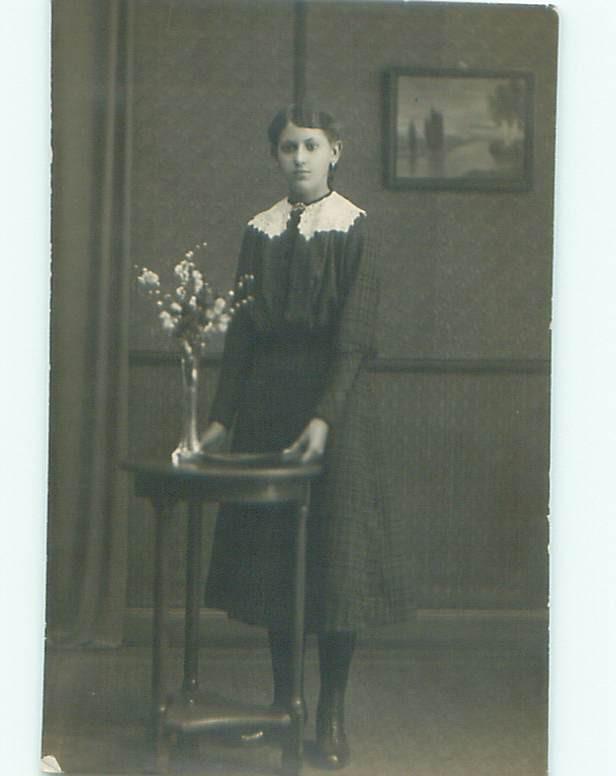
465 274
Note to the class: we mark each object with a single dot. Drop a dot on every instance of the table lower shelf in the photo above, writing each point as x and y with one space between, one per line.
202 712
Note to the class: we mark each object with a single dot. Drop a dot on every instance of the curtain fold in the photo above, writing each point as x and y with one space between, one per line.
87 527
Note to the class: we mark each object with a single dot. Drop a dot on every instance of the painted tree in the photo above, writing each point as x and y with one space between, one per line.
507 109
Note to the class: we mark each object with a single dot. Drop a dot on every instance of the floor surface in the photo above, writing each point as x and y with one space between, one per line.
442 711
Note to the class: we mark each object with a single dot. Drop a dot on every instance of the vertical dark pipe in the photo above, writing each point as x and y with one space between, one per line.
299 52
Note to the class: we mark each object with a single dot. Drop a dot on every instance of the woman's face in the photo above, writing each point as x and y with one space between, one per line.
304 155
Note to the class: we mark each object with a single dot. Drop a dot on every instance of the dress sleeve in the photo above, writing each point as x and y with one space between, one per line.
355 333
238 352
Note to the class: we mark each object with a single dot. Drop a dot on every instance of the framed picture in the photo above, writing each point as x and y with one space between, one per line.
458 129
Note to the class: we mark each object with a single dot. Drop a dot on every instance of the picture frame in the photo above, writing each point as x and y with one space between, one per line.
458 130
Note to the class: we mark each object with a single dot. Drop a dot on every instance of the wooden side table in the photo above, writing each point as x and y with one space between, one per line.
241 479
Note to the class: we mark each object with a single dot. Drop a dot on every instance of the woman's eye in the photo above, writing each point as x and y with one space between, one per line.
311 146
287 148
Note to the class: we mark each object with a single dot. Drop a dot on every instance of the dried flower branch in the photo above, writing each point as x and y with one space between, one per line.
193 312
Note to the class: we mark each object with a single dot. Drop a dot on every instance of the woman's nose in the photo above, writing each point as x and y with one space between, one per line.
300 156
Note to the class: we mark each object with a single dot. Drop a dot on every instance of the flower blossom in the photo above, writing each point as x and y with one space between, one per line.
182 270
198 280
148 280
167 321
223 323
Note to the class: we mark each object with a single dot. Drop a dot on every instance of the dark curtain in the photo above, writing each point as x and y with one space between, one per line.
87 527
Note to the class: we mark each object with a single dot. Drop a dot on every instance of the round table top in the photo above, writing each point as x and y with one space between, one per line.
270 467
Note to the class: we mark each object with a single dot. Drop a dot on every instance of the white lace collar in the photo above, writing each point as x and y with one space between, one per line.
333 213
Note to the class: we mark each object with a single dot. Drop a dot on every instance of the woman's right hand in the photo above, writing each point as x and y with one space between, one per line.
214 437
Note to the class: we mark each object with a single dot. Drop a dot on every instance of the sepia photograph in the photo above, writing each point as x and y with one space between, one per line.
300 389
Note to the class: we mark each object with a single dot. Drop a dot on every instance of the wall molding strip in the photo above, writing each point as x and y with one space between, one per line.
521 629
383 364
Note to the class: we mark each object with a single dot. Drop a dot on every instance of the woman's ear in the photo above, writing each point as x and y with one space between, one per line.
336 152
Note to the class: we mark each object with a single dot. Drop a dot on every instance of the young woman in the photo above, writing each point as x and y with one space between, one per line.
293 379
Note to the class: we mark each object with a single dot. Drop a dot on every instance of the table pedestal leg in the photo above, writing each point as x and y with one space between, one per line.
188 746
194 597
292 755
160 635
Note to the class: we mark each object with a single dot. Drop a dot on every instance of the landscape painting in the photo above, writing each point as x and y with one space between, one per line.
459 130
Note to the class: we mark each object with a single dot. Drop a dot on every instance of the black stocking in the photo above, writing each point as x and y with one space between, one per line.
280 643
335 653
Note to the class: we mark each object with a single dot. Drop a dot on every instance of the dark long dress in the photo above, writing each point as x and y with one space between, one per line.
295 354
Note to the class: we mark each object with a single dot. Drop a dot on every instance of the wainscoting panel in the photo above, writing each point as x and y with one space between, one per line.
465 459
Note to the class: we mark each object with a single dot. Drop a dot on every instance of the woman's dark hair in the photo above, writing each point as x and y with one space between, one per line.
303 115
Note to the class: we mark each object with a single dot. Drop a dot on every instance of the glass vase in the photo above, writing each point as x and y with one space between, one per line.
188 446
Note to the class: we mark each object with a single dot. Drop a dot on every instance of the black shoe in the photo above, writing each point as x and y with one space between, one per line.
332 746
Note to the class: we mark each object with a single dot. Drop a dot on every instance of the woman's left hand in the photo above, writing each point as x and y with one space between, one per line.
310 444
